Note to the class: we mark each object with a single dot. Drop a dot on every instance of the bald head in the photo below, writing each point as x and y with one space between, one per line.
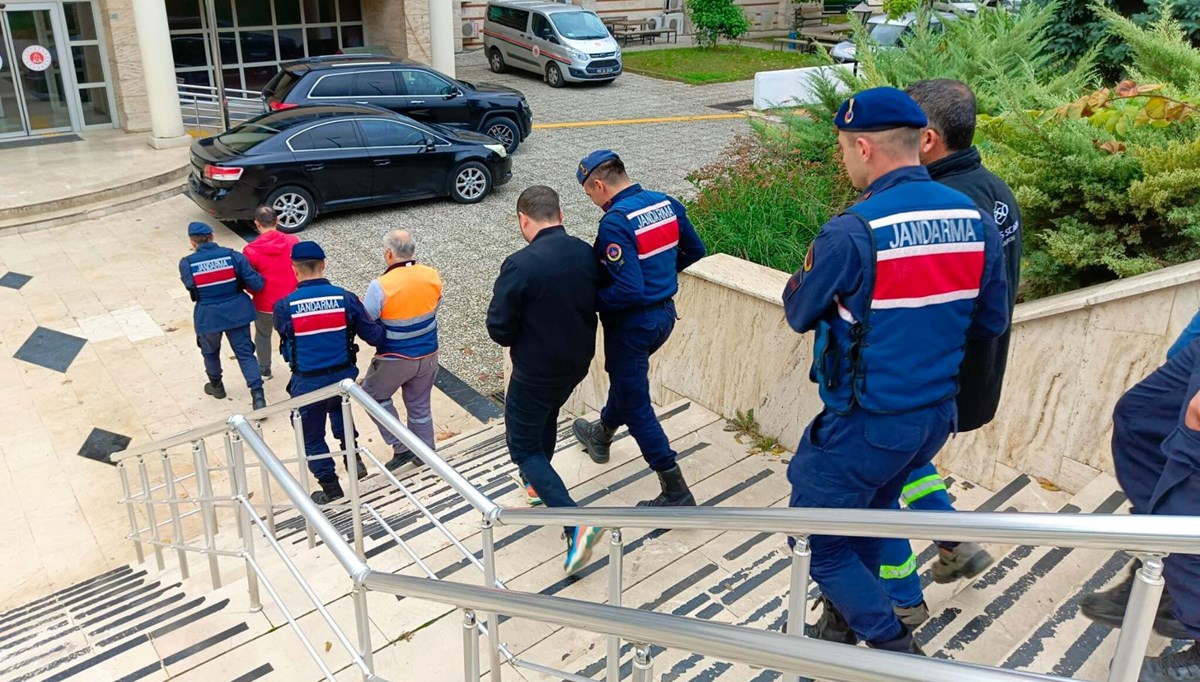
400 246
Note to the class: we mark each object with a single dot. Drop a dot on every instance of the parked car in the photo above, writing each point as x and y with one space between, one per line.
887 33
564 43
305 161
404 87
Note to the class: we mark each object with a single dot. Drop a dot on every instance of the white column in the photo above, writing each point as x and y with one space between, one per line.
441 35
158 68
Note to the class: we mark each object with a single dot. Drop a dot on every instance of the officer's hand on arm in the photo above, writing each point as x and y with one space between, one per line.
991 307
504 312
618 255
282 316
185 276
691 247
248 276
1191 418
368 330
832 267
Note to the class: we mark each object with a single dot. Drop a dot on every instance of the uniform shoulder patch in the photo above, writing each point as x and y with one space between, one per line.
808 258
613 252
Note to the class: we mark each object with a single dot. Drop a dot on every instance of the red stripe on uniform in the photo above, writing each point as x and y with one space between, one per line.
658 238
928 275
320 322
214 276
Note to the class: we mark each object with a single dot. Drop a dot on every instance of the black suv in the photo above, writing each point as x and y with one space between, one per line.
405 87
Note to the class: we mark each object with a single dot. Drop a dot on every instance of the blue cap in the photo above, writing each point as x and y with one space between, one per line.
589 163
880 109
199 229
307 251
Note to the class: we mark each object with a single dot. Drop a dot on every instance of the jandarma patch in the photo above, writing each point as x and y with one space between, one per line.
613 252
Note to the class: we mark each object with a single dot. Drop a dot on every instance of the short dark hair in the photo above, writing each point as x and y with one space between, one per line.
200 238
613 169
308 265
950 106
265 216
540 203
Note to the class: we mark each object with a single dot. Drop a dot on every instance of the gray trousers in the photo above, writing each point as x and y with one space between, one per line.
264 324
414 380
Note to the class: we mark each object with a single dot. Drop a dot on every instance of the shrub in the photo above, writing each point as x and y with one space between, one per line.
716 19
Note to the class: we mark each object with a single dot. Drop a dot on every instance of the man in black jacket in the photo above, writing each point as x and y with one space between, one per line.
947 153
544 308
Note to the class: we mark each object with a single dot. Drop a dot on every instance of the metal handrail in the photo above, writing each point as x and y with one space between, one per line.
1160 535
776 651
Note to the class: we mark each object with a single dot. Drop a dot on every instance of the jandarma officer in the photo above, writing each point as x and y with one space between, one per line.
317 324
893 288
217 279
644 240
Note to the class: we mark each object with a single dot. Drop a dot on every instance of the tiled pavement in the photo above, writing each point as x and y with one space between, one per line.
97 351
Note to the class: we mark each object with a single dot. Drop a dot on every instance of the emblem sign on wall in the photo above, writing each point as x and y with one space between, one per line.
36 58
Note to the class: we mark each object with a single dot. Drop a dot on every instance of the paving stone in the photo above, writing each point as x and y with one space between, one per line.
100 444
50 349
14 280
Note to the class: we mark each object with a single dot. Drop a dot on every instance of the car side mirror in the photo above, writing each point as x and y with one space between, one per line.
550 37
430 145
454 92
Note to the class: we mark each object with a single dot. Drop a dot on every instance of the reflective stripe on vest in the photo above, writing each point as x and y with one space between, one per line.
927 258
411 297
319 324
213 273
656 228
921 487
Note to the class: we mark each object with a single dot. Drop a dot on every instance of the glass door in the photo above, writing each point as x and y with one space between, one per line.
33 93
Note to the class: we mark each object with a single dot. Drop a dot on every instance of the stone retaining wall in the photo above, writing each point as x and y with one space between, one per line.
1071 358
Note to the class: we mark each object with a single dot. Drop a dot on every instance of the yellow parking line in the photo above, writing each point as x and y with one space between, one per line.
630 121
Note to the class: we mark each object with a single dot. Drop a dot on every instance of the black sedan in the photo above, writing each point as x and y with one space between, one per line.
306 161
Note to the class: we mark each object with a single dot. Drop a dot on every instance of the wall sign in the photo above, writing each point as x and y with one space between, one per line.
36 58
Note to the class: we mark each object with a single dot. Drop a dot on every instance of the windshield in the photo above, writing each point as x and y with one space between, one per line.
246 137
886 35
579 25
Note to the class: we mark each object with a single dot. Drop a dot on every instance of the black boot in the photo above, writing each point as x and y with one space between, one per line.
215 388
831 627
594 438
330 490
1108 607
1183 666
400 460
362 468
260 400
904 644
675 492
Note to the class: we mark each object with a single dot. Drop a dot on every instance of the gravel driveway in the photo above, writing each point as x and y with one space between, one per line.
468 243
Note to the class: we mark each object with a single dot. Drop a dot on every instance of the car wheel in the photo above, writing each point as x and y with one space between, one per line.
470 183
496 61
295 208
554 75
505 131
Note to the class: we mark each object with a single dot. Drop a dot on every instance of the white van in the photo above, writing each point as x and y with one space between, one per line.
565 43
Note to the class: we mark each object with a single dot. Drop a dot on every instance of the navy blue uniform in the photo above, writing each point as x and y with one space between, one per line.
217 279
893 289
317 324
644 240
1157 460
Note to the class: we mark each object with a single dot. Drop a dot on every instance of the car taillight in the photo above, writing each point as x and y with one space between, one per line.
280 106
222 173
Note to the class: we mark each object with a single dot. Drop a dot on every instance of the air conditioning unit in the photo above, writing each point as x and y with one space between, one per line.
674 21
472 29
672 6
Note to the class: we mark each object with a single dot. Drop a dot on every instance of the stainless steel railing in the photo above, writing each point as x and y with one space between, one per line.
791 653
203 113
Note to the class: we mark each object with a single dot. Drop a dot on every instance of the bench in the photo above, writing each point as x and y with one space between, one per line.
803 43
644 34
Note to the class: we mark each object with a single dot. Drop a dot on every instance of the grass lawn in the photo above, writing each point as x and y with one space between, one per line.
722 64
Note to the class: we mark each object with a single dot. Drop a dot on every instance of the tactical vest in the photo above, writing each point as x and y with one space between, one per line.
213 272
411 296
927 244
323 340
652 221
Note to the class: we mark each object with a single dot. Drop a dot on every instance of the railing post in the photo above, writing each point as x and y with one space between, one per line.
233 483
364 630
470 647
207 514
135 535
266 491
352 474
798 595
1138 622
616 561
493 619
176 523
643 664
302 474
247 526
150 515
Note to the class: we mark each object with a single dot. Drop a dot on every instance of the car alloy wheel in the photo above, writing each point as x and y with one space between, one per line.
554 76
292 210
502 132
470 183
496 61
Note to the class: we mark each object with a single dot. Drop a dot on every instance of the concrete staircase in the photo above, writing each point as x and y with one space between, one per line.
136 623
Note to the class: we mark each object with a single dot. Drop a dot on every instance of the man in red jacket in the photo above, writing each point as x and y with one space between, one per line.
271 256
